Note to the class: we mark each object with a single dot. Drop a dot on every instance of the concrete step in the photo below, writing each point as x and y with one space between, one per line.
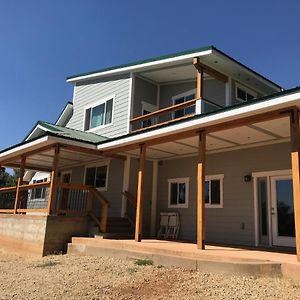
235 267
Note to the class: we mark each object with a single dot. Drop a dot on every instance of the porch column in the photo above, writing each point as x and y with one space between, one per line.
20 182
53 179
295 158
201 192
140 190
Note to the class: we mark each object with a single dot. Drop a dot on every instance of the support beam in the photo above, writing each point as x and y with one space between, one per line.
154 197
201 192
208 70
53 182
140 191
20 182
295 157
199 94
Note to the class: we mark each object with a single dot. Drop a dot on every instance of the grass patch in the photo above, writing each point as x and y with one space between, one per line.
132 270
144 262
47 264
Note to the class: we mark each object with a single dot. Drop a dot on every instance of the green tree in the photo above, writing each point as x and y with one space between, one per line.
6 179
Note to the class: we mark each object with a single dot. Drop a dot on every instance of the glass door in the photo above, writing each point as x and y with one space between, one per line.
282 211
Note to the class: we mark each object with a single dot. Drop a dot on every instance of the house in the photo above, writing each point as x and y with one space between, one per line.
196 133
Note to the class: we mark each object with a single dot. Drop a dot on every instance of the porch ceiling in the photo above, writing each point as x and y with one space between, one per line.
257 134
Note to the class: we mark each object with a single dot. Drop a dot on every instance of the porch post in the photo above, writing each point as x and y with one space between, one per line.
295 158
201 192
53 179
140 190
20 182
199 93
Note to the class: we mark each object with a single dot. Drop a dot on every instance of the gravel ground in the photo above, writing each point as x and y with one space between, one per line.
84 277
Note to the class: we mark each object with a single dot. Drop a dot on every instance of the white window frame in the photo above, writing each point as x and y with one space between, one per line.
245 89
216 177
183 95
186 181
96 165
151 108
97 103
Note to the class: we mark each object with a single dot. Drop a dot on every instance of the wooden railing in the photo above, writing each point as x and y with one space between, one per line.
71 200
81 200
130 207
33 198
157 115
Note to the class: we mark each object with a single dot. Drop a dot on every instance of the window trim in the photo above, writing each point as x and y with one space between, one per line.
151 108
216 177
185 180
97 103
245 89
96 165
182 95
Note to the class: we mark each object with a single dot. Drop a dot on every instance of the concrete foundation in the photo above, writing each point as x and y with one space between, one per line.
39 234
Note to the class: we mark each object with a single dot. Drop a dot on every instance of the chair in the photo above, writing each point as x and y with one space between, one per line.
163 225
173 226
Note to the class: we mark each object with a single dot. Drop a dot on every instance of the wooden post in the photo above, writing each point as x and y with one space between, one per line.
104 212
199 93
20 182
53 182
201 192
295 157
140 190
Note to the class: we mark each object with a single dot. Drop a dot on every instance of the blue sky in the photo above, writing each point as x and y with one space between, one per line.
42 42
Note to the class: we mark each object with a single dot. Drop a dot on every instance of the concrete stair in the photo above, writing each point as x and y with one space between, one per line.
117 228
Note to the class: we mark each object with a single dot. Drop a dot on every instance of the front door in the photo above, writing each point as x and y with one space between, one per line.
282 211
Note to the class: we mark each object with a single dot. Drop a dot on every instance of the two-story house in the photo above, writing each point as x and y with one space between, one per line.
196 133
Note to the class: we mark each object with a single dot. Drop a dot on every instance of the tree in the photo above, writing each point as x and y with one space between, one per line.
6 179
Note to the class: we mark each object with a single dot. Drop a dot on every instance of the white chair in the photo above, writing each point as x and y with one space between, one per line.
173 226
163 225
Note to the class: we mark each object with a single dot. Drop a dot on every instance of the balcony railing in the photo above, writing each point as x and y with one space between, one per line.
174 113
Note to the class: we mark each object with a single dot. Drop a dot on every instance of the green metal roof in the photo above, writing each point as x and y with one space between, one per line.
143 61
161 57
66 132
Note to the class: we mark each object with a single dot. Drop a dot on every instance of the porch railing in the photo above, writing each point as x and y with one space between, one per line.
33 198
168 114
70 200
130 207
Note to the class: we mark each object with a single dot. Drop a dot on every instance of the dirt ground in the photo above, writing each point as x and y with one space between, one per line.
84 277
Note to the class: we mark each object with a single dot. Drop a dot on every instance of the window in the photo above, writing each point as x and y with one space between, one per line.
214 191
99 115
243 94
181 99
146 109
38 193
97 176
178 192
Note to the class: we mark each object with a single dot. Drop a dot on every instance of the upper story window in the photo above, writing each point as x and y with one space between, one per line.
99 114
214 191
244 94
181 98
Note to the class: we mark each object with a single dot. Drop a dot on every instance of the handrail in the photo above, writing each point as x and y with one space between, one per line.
131 198
73 186
25 186
164 111
100 197
8 189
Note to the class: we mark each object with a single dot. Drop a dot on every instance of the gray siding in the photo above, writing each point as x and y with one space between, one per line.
143 91
223 224
114 187
90 91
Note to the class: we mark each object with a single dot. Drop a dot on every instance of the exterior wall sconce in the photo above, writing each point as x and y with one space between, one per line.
247 178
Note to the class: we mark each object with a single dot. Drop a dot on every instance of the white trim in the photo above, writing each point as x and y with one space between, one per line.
148 106
225 116
126 177
154 197
219 177
158 95
97 103
95 165
140 67
131 100
267 175
185 180
66 110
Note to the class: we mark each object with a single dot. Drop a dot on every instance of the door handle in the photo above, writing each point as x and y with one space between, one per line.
273 211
